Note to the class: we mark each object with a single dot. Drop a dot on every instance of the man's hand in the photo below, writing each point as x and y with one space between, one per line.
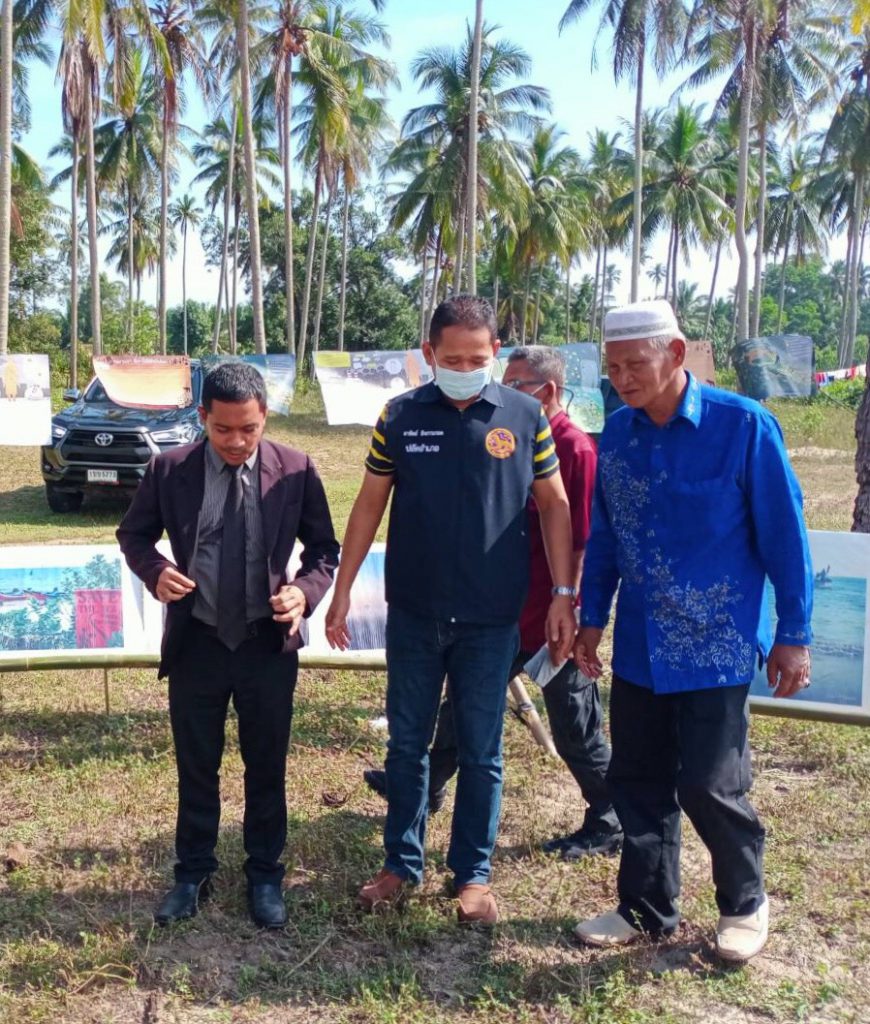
560 629
788 670
173 585
586 651
336 622
289 605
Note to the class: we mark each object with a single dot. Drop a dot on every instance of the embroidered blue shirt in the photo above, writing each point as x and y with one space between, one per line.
687 519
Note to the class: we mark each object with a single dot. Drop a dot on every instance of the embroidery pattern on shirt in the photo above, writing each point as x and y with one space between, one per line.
627 495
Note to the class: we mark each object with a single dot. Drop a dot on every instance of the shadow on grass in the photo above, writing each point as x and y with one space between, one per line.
27 505
68 738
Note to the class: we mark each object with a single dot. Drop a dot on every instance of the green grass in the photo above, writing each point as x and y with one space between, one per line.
90 797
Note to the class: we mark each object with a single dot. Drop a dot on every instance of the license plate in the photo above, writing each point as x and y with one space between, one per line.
102 476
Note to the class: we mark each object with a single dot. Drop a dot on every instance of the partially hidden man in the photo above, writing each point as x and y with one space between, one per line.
695 503
460 456
233 507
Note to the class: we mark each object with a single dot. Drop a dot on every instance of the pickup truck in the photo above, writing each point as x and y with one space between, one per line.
97 445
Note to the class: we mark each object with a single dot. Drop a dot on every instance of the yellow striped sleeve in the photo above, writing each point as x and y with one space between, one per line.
378 458
545 460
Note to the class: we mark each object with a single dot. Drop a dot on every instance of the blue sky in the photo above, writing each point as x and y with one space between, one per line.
583 100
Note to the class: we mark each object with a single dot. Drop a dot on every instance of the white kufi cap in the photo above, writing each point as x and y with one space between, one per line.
641 320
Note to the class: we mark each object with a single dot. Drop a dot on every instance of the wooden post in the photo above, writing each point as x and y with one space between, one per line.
526 712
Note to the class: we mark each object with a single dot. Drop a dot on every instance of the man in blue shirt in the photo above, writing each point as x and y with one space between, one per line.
461 456
695 503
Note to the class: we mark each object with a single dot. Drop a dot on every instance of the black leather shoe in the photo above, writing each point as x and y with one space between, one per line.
182 901
266 903
592 844
376 780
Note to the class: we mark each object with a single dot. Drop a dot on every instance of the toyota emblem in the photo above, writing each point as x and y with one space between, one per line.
104 440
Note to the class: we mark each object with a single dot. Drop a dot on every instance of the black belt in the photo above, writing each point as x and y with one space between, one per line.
258 627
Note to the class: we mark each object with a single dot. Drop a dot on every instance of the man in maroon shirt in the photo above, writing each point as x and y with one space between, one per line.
572 700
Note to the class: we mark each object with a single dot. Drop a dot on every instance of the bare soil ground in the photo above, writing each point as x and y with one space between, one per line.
87 815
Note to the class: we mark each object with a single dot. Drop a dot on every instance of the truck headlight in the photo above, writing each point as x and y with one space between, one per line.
182 433
58 432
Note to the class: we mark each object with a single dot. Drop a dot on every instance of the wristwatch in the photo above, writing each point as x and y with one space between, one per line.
564 592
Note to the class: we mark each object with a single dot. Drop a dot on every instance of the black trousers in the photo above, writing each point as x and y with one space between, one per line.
260 679
683 751
574 711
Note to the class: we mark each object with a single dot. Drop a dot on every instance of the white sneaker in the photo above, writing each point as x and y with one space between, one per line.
607 930
740 938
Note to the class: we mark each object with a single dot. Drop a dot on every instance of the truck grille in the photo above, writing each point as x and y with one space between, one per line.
128 448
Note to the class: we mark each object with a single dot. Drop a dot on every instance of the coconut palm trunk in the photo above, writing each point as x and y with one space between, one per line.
164 210
321 284
423 275
251 191
637 212
759 231
228 192
538 291
234 309
781 311
131 259
603 291
74 266
712 297
459 266
853 303
471 197
5 167
746 99
526 302
342 302
436 281
593 312
309 263
287 159
91 199
184 282
568 303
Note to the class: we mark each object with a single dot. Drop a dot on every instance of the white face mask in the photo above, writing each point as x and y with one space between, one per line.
460 385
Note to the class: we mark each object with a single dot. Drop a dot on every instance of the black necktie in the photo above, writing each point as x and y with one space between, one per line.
232 579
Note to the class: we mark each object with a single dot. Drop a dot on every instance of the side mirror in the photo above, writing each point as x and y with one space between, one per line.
72 394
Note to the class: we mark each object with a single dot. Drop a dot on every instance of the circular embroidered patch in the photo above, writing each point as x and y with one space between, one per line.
500 443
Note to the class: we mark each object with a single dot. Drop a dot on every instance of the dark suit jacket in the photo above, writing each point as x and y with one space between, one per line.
293 505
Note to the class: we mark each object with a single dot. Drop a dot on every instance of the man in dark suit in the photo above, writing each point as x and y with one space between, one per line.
233 507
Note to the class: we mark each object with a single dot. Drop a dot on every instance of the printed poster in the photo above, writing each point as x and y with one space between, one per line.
584 400
81 599
25 400
146 382
777 367
840 672
279 373
356 385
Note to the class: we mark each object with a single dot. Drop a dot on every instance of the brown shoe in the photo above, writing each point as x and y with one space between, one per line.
476 905
385 890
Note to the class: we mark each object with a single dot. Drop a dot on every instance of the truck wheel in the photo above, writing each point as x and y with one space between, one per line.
63 501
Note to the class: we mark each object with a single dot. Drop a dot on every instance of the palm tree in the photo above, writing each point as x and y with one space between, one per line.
251 194
223 174
552 226
330 75
794 212
473 129
128 142
144 253
5 167
438 130
657 275
848 137
177 46
81 55
184 214
637 25
688 177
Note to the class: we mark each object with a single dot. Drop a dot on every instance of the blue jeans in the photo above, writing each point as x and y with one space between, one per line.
475 659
